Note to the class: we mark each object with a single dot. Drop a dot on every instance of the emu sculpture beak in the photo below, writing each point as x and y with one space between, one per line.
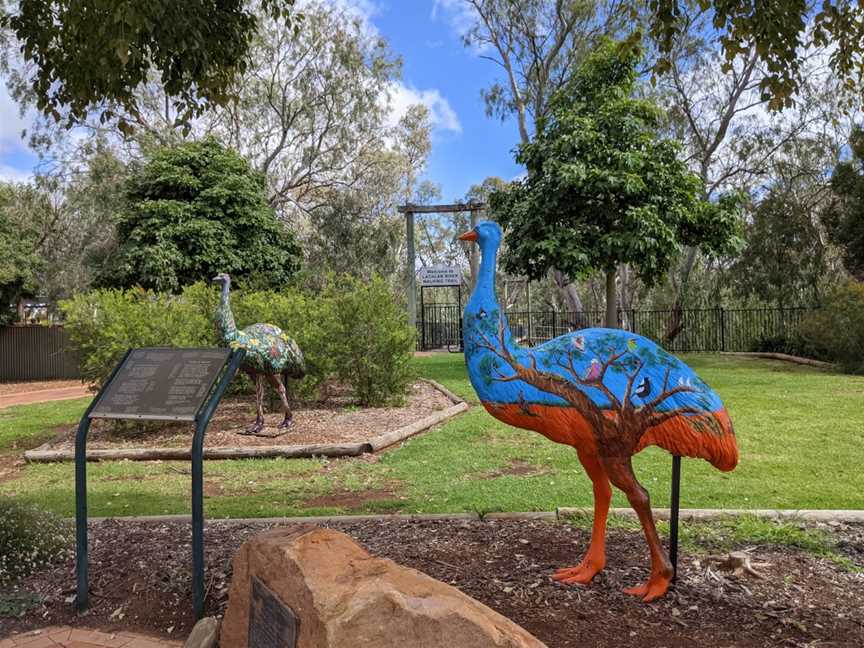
468 236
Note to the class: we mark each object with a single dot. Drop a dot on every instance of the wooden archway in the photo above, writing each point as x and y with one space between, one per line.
409 210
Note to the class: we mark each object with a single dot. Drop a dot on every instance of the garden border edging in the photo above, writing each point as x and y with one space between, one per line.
561 513
781 356
258 452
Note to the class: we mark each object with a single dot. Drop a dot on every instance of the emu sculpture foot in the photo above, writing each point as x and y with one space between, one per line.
255 428
655 588
579 575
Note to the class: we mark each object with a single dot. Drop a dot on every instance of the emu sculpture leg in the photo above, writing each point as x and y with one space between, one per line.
276 382
620 471
258 425
595 559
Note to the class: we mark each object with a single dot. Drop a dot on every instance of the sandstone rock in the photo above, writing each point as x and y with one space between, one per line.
346 598
204 634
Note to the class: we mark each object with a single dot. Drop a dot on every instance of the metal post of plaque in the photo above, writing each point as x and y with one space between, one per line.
157 384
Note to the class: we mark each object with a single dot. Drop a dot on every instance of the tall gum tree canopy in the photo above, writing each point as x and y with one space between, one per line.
192 211
779 30
843 217
93 54
603 188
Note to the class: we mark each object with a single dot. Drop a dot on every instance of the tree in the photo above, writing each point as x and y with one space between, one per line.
537 44
78 231
603 188
93 54
192 211
776 32
719 110
310 110
784 262
21 209
357 231
844 216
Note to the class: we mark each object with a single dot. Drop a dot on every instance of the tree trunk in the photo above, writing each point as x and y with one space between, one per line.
611 300
571 297
676 322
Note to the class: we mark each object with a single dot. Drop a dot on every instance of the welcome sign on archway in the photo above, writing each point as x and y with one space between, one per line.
440 324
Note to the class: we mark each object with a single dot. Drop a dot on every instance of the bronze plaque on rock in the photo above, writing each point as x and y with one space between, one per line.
272 624
161 384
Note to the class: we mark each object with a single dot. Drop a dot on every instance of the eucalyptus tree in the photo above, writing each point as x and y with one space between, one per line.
844 215
312 107
722 109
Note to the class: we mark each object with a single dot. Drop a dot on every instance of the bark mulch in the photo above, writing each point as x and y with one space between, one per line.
140 575
337 420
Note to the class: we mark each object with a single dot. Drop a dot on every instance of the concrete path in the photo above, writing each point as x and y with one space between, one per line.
43 395
68 637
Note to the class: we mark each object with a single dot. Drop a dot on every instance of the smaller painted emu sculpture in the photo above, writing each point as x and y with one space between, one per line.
606 392
270 353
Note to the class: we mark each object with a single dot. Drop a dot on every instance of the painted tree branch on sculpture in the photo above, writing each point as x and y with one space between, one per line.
637 420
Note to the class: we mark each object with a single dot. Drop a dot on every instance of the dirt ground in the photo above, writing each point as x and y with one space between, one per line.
140 581
336 420
18 387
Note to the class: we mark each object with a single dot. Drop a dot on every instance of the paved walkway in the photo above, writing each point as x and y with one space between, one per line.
68 637
43 395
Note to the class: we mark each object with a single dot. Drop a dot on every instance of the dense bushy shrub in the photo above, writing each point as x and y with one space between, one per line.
354 331
838 327
370 338
29 539
104 323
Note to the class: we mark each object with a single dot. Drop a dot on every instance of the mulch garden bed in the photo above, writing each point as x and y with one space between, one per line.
140 575
337 420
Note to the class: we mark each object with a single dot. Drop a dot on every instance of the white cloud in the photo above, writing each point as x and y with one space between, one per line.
11 122
459 13
442 115
13 174
362 10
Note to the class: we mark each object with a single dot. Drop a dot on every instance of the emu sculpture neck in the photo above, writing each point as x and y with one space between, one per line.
483 298
224 317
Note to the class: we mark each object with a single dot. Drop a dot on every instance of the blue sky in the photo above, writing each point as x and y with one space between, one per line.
437 70
426 34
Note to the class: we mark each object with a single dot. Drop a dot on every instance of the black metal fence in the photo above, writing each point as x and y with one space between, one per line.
36 353
704 329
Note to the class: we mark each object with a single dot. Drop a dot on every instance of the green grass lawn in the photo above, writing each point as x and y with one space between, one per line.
26 426
799 431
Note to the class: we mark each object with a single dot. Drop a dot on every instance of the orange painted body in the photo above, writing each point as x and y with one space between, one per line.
566 425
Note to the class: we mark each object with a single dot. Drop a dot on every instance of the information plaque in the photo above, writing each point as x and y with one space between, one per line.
161 384
272 624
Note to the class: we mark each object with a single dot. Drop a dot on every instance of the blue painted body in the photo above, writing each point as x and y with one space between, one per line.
638 376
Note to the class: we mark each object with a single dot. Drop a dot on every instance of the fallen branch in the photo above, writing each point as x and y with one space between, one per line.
738 563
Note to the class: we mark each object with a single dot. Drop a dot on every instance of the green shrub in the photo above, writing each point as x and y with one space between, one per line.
103 324
791 344
353 330
30 539
838 327
371 339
